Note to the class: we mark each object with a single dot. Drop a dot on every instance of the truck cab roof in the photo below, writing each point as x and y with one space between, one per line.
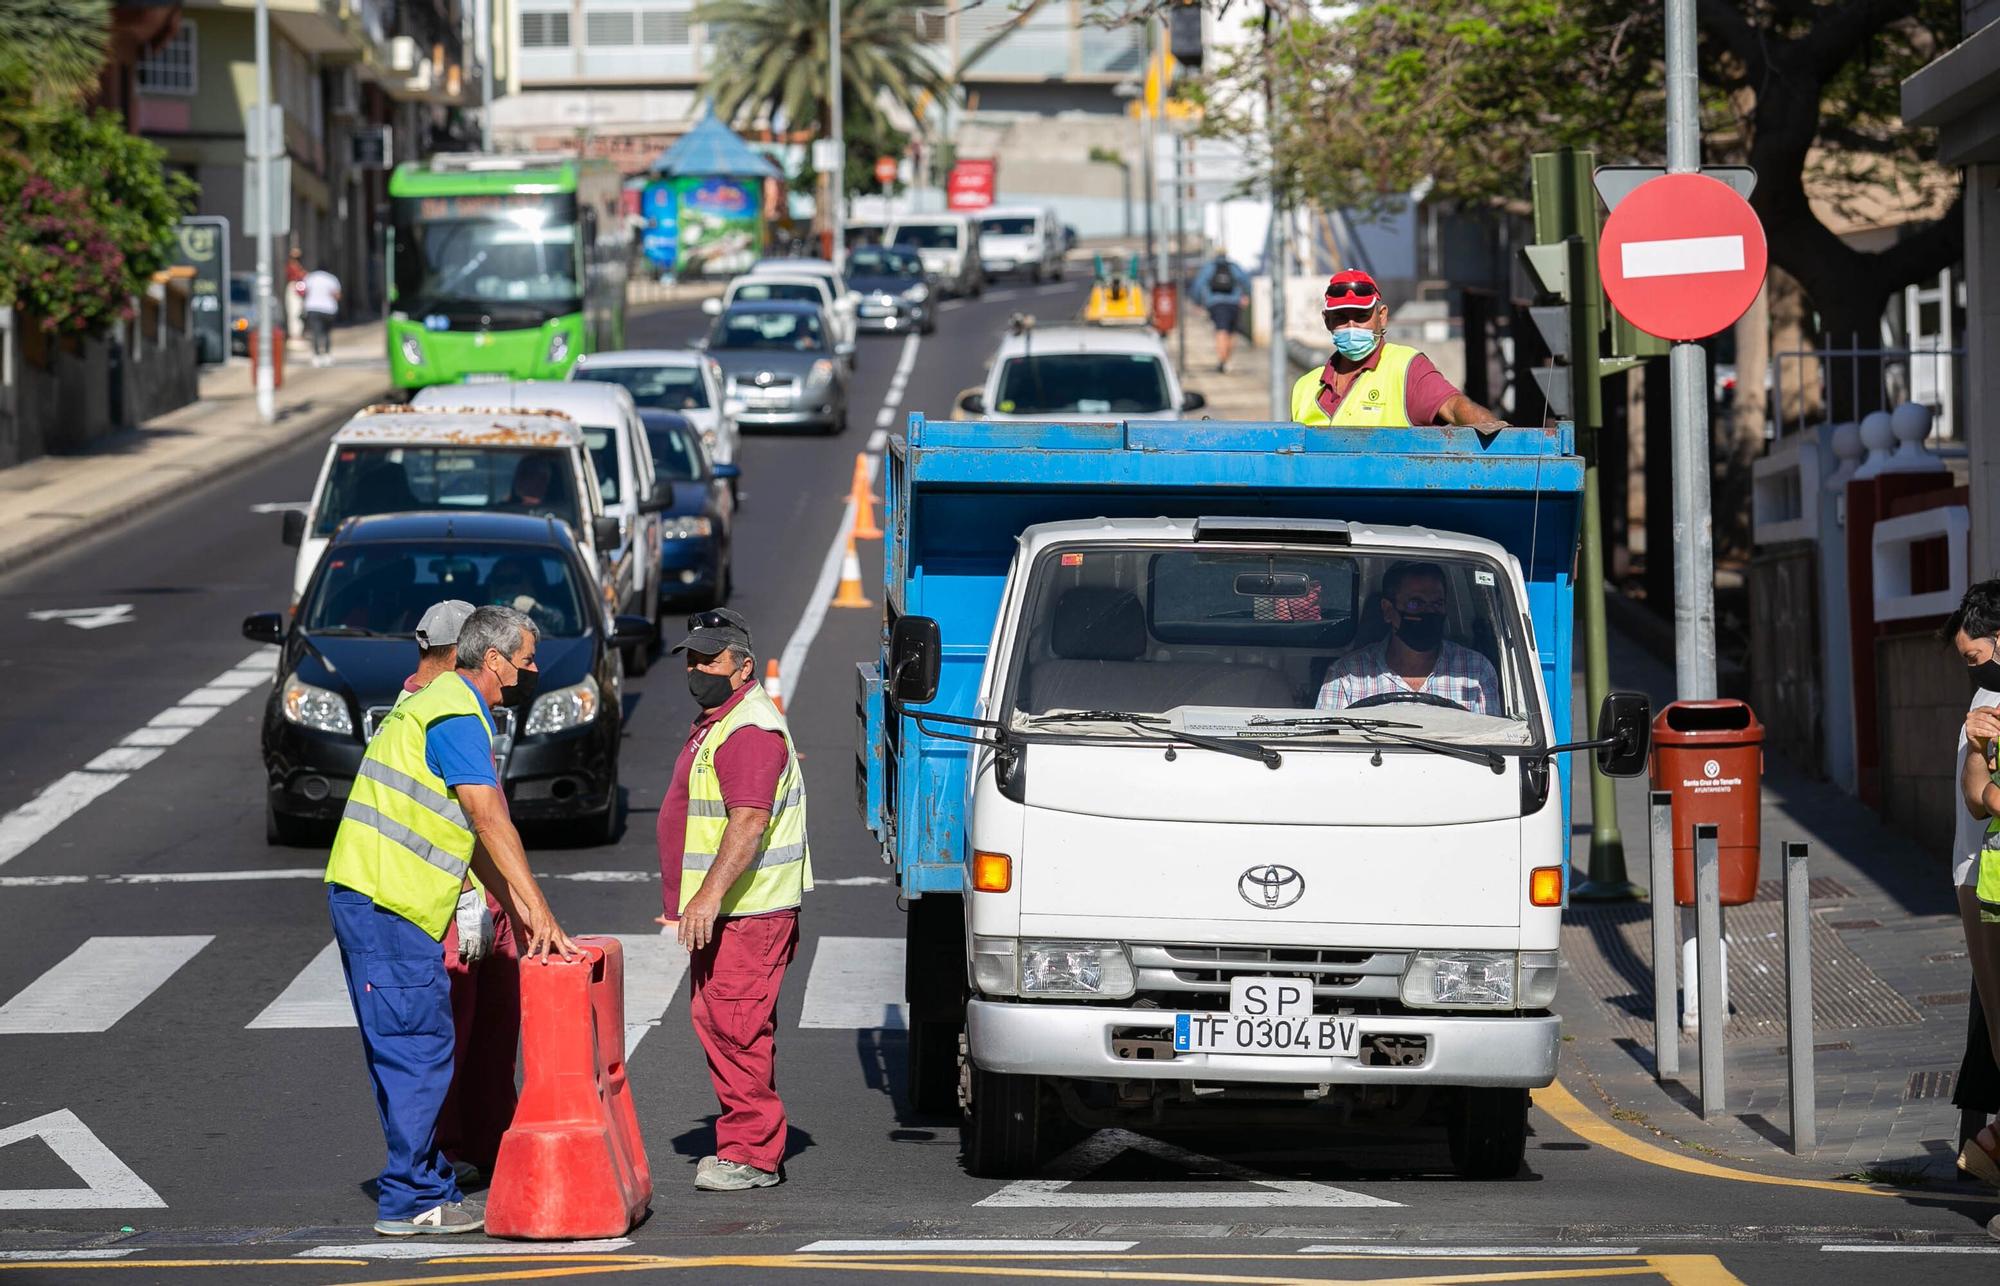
460 426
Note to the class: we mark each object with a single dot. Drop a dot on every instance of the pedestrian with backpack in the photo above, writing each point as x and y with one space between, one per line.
1220 286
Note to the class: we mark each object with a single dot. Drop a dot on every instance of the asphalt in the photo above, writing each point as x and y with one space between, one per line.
256 1143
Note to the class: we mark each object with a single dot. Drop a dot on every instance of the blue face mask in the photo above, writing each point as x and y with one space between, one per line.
1354 342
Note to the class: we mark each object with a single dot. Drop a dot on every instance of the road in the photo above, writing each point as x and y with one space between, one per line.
177 1101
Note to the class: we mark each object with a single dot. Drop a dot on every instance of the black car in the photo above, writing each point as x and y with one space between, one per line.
695 525
895 292
349 647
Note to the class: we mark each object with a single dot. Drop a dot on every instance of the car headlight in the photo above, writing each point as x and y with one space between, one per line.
316 708
685 528
820 376
413 350
1460 979
1076 969
559 346
569 707
995 968
917 294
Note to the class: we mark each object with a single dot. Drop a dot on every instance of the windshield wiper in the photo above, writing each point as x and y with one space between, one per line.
1328 721
353 632
1371 728
1241 748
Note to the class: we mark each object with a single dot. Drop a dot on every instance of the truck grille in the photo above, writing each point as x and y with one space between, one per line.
1334 972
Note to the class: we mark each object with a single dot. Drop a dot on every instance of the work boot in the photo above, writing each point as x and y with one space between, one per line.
439 1221
716 1175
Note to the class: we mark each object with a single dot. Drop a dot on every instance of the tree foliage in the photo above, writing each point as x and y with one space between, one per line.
773 62
51 52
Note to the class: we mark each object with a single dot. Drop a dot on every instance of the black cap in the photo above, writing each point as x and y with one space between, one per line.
712 631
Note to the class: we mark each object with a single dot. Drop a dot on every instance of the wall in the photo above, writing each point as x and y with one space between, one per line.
1922 696
68 401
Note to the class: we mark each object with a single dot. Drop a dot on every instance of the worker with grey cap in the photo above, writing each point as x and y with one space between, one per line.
437 643
734 867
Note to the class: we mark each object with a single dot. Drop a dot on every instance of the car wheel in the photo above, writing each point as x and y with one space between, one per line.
640 659
286 831
603 827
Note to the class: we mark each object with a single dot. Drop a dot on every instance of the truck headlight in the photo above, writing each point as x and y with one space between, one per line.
558 347
1460 979
569 707
820 376
316 708
1076 969
994 968
413 350
917 294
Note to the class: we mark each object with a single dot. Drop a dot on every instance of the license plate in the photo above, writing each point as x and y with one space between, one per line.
486 377
769 399
877 310
1268 1016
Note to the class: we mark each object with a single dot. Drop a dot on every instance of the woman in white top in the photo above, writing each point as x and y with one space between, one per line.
1974 630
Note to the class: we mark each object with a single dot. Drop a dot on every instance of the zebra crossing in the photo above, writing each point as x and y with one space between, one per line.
852 983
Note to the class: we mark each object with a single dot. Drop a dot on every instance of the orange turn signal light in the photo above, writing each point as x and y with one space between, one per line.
1545 886
992 872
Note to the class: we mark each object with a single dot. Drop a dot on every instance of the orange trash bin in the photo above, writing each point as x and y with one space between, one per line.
1709 755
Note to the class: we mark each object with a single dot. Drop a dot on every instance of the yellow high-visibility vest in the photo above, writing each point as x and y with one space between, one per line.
1987 889
1373 400
403 840
782 873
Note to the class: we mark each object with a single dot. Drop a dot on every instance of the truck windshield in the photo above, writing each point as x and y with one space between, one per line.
1008 225
1274 644
1083 383
928 236
400 479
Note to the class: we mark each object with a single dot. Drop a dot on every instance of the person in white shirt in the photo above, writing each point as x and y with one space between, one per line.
322 305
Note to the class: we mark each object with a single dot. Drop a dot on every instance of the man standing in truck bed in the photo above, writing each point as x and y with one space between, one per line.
1369 382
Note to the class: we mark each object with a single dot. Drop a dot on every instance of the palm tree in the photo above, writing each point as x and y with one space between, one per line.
51 52
773 60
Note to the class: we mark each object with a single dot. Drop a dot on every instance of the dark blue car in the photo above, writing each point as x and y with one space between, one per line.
695 525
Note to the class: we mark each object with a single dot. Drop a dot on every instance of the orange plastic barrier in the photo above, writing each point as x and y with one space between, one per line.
573 1164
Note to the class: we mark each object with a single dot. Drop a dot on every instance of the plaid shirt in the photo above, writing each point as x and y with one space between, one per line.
1460 675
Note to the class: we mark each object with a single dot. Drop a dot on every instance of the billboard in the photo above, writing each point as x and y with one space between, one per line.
971 184
659 204
202 243
721 225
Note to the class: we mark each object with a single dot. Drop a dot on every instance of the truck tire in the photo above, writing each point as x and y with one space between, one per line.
1001 1134
934 986
1488 1129
933 1047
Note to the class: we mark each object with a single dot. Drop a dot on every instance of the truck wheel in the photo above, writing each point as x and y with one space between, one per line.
933 1049
1488 1128
1002 1131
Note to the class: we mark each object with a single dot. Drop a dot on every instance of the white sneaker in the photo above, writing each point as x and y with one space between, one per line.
439 1221
716 1175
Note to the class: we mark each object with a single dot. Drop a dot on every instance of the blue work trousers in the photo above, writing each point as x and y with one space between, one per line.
402 1002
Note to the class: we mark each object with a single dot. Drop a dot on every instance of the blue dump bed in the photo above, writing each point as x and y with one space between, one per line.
958 495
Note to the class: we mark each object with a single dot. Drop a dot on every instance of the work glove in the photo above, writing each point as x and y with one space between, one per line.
475 926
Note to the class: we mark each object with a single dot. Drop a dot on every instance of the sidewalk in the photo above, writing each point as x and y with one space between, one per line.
1242 394
54 501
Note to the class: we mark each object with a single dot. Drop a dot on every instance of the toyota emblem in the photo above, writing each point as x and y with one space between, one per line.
763 378
1271 887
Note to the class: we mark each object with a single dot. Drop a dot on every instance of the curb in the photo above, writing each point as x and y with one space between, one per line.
103 524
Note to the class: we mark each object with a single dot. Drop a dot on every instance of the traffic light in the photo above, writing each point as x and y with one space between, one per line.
1184 33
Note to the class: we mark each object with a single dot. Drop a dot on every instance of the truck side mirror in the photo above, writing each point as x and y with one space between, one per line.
293 532
914 653
606 532
1626 720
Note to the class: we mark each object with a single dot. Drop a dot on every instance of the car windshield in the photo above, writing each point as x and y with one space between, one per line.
1082 383
1328 648
658 388
399 479
928 236
240 290
787 332
882 261
386 588
753 291
676 452
1009 225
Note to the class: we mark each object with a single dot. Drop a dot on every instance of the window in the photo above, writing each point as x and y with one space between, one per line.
613 30
545 30
663 27
170 69
1115 384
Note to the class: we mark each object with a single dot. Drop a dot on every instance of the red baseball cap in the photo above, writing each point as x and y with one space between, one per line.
1352 288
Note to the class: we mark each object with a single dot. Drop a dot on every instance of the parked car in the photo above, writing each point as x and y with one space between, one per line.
1024 239
401 459
1080 372
949 247
617 445
672 379
348 648
779 357
696 525
242 311
893 288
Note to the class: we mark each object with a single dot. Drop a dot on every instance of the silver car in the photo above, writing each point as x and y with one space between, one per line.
779 359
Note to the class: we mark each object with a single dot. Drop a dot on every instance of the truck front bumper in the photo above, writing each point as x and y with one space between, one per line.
1036 1039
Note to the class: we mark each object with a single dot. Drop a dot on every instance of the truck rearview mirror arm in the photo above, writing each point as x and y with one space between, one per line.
1624 735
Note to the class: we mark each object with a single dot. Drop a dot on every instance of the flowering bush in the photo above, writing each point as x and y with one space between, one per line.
57 260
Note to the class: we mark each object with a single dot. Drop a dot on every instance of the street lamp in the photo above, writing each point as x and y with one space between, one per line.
837 187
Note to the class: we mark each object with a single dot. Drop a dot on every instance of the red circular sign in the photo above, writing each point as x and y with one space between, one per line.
885 169
1682 257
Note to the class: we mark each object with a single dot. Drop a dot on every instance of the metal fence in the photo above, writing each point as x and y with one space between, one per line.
1804 383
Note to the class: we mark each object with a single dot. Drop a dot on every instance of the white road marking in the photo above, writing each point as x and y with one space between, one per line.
878 441
856 984
51 1256
215 877
109 1183
940 1245
430 1248
1912 1250
1681 256
97 984
1101 1148
70 793
850 881
316 997
125 758
655 963
87 618
1465 1252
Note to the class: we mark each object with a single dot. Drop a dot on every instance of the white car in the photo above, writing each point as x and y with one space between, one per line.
1080 373
1023 239
400 459
845 301
623 466
680 380
949 246
797 287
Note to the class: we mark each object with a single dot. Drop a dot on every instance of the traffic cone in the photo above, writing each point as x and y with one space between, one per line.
864 503
772 688
849 594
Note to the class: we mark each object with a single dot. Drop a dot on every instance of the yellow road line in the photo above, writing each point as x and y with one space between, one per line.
1587 1125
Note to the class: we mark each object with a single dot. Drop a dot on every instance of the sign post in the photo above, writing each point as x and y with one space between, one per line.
202 243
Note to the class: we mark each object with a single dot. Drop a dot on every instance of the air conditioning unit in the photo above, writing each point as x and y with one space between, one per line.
403 54
344 97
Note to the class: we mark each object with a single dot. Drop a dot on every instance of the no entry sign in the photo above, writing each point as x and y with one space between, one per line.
1682 257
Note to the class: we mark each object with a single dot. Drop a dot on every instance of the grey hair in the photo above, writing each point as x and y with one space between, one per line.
491 627
742 654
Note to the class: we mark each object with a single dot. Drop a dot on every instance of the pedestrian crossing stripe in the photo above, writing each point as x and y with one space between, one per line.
98 984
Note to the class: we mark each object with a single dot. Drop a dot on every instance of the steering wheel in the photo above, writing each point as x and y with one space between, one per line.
1405 698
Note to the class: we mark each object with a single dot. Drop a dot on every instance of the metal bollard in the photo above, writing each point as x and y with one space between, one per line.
1666 952
1708 964
1798 996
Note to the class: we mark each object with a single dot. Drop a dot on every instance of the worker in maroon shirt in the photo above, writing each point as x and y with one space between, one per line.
1371 383
734 867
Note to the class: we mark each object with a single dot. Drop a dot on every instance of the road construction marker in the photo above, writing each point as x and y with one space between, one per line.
862 492
850 593
774 687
